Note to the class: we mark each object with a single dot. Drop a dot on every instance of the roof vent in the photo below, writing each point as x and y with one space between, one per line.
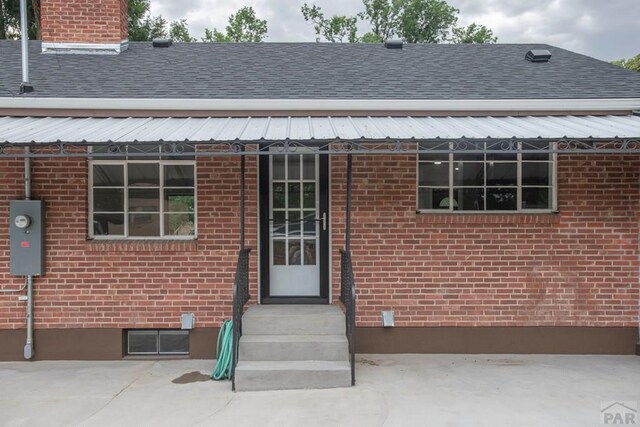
538 55
162 42
393 44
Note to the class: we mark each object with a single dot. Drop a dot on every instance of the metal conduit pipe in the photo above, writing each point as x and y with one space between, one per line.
10 291
24 88
28 347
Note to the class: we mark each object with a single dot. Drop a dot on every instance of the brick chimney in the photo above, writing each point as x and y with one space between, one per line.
84 26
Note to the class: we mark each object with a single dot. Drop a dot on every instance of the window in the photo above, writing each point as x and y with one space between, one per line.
157 342
472 179
142 198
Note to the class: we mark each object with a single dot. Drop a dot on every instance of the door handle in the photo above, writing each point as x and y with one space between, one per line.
324 221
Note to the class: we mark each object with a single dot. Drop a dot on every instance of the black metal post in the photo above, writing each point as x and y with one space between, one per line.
240 284
347 239
348 283
242 202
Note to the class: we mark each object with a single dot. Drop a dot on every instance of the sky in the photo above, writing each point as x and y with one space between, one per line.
604 29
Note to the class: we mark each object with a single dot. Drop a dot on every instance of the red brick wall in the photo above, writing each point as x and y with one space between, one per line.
575 268
127 284
84 21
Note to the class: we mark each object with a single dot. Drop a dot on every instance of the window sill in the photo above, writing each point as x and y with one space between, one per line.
122 245
434 217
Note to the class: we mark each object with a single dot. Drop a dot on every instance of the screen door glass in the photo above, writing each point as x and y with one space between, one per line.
294 225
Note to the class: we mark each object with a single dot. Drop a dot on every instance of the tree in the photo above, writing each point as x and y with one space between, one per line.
35 8
244 26
179 31
10 19
370 37
334 29
143 26
415 21
473 33
383 17
426 21
630 63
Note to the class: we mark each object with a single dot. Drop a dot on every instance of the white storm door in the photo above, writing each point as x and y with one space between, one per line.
294 225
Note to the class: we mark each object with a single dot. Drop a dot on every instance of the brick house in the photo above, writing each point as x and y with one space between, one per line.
491 201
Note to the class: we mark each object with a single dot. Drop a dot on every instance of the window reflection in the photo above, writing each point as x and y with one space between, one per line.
279 257
295 254
309 252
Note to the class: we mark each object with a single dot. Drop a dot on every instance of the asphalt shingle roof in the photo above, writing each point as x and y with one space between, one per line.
317 71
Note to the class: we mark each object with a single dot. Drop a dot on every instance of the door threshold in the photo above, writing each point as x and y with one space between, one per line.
295 300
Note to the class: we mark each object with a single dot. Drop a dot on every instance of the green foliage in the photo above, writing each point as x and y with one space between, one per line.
426 21
383 17
473 33
334 29
10 19
630 63
209 35
138 10
143 26
244 26
371 37
415 21
179 31
157 27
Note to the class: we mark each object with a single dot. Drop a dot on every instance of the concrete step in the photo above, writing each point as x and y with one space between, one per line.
289 375
291 319
294 347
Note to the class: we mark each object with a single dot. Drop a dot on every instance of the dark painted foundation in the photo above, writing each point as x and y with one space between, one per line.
108 344
63 344
507 340
90 344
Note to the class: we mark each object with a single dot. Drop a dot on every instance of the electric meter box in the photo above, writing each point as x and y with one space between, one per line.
26 231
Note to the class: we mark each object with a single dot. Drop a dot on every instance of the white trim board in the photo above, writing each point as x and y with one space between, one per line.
515 105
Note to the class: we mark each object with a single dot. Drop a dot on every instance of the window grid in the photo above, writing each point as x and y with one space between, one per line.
551 161
301 210
124 163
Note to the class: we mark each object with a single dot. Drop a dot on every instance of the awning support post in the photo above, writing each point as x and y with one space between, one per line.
347 238
242 173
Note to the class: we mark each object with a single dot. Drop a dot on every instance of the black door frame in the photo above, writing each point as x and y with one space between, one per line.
264 227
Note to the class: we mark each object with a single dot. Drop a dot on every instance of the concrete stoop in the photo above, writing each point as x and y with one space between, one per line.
293 347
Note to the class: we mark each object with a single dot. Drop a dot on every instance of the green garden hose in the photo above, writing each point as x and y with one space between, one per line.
224 350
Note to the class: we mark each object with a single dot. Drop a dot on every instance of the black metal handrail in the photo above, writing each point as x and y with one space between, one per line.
240 298
348 298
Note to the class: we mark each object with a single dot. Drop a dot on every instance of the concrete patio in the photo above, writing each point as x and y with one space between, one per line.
392 390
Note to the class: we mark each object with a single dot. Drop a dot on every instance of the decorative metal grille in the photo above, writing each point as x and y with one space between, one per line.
266 148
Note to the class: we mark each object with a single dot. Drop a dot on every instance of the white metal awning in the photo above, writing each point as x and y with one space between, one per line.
47 130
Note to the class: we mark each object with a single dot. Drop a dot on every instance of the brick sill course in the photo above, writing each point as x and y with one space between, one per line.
488 218
141 245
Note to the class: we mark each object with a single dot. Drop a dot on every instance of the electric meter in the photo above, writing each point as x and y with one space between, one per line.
22 221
